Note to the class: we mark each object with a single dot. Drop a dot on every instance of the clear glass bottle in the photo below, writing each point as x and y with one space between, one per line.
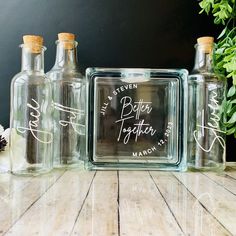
206 134
30 119
69 100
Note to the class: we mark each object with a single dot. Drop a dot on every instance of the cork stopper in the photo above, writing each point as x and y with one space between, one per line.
206 43
205 40
68 40
33 42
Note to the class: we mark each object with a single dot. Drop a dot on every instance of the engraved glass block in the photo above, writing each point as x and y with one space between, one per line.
136 119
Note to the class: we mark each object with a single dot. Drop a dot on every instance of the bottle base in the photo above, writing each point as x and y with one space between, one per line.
214 168
70 165
31 171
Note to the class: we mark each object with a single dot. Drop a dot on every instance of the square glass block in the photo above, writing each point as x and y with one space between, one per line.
136 119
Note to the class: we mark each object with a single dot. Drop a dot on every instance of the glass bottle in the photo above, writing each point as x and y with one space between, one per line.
30 119
206 133
68 99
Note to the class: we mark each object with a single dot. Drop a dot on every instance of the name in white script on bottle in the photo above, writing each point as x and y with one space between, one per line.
40 135
73 117
212 127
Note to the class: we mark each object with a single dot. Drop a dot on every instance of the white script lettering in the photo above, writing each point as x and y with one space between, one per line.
33 124
212 126
73 115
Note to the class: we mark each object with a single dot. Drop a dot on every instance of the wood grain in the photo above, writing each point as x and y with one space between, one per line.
23 193
119 203
10 183
192 217
142 208
231 171
55 212
99 215
224 180
216 199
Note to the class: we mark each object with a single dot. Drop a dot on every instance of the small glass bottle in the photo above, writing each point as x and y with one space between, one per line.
206 133
69 100
30 119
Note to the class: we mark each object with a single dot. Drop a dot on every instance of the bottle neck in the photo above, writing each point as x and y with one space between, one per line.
66 55
32 61
203 58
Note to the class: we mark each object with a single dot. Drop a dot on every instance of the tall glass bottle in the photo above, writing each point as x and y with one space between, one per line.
206 134
30 119
68 99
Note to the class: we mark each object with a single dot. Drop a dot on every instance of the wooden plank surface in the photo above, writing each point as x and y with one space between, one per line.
143 211
191 215
10 183
99 215
217 200
55 212
224 180
119 203
231 172
23 192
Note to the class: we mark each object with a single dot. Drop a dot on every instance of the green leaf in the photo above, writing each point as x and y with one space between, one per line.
230 66
228 58
232 119
232 74
231 131
231 91
222 33
229 107
220 51
229 8
232 111
231 49
234 80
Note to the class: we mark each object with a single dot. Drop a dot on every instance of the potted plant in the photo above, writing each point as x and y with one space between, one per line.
224 13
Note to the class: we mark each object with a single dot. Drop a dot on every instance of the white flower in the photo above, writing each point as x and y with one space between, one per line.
6 135
4 155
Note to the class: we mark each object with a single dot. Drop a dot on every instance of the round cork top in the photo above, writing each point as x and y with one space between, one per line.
33 42
205 40
206 44
66 37
67 40
36 39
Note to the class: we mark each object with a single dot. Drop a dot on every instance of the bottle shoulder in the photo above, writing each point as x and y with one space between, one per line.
24 77
206 77
59 74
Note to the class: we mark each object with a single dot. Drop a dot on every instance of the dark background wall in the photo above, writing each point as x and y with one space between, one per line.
111 33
